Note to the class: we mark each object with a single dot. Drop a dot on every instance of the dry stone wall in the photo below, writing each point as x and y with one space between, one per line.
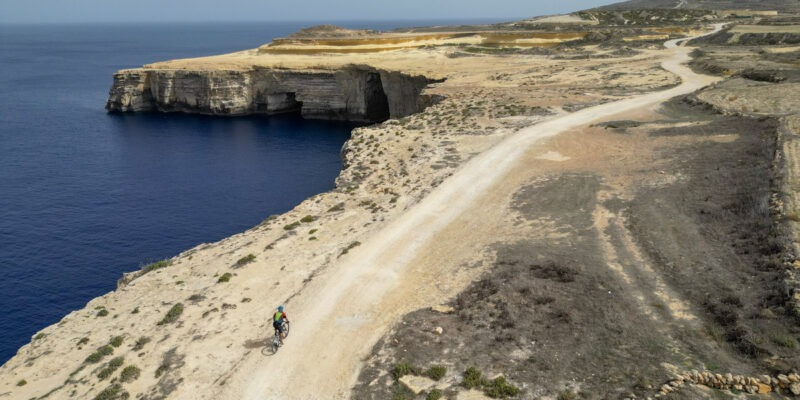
781 384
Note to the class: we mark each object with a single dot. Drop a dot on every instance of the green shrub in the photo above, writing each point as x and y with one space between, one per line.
113 392
338 207
156 265
499 388
291 226
135 310
472 378
83 341
22 382
172 314
116 341
269 219
105 350
100 353
308 218
784 341
436 372
112 366
226 277
402 392
434 394
402 369
102 313
130 373
245 260
40 335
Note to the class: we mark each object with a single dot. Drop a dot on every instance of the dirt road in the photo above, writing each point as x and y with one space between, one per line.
340 315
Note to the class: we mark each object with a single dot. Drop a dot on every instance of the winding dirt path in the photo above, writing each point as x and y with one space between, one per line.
340 316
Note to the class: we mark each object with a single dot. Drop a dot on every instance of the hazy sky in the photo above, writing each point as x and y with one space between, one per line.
45 11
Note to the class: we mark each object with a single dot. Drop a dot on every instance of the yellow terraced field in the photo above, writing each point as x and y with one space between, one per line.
766 29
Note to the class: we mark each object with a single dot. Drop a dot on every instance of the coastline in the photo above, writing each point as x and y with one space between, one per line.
412 164
286 260
420 198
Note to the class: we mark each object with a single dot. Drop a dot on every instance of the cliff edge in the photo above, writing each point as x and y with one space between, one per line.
350 93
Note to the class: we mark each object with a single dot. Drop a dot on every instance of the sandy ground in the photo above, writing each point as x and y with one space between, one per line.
348 311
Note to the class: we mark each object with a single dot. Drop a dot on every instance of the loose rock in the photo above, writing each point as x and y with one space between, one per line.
443 309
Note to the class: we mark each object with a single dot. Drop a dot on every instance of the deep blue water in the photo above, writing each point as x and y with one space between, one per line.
86 196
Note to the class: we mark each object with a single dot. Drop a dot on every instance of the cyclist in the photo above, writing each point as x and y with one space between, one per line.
277 322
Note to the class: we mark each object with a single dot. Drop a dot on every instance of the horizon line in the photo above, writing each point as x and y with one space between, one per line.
319 21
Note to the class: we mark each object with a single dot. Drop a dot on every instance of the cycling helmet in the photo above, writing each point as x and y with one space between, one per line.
280 308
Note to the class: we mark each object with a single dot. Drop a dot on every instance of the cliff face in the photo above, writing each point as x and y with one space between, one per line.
354 93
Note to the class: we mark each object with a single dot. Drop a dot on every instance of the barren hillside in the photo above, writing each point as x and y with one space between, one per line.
780 5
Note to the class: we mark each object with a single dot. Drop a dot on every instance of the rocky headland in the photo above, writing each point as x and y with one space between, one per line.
352 93
551 208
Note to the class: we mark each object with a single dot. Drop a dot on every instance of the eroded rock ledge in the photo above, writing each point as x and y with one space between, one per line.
355 93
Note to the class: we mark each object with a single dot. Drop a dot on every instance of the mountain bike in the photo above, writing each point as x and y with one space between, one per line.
276 340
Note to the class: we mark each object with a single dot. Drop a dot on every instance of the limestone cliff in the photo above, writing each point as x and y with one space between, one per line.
355 93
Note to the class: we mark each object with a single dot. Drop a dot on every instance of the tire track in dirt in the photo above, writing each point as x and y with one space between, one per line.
625 258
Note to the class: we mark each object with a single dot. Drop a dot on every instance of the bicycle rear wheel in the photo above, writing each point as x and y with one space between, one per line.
276 344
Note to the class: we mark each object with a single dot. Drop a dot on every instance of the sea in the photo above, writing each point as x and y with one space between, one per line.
86 196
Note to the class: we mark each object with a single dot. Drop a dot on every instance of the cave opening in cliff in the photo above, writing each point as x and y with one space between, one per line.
377 103
279 103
